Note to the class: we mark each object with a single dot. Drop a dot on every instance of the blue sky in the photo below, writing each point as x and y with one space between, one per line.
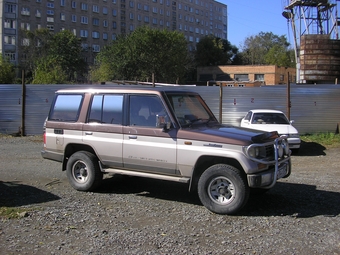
250 17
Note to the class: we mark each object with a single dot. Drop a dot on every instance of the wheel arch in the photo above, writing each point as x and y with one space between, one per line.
205 161
74 147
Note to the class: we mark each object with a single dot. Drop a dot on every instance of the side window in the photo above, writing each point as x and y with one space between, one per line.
248 116
106 109
66 108
144 109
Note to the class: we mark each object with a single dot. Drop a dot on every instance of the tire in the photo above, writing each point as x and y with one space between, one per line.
83 171
222 189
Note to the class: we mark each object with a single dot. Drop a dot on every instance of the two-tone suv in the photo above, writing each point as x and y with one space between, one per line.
165 134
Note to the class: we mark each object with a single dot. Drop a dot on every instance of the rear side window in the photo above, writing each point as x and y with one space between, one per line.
66 108
106 109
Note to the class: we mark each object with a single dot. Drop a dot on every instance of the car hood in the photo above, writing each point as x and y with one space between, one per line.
226 134
281 129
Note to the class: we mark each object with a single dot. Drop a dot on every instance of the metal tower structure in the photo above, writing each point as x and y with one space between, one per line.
311 17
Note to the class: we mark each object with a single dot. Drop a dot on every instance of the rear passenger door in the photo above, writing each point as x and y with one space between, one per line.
147 147
103 129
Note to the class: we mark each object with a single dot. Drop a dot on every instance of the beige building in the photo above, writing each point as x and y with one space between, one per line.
247 76
97 22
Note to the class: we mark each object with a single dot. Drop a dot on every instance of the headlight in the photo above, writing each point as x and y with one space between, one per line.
254 152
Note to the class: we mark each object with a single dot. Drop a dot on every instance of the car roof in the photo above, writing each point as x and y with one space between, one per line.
122 89
265 111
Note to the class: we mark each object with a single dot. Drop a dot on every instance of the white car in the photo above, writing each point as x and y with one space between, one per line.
272 120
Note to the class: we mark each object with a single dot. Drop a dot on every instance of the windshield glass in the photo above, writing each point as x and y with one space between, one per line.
270 118
189 109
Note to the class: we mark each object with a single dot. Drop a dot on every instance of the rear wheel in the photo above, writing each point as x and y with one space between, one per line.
222 189
83 171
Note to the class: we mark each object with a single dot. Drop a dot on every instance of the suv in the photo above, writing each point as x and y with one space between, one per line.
164 134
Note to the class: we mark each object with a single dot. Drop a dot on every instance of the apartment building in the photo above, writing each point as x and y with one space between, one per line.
97 22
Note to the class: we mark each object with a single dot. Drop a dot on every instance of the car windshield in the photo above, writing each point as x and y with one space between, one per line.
270 118
189 109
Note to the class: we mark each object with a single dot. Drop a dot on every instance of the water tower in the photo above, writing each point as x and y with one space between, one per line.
315 26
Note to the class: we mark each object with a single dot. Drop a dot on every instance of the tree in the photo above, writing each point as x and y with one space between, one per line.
144 54
35 46
7 74
46 53
48 72
211 50
65 51
279 56
257 47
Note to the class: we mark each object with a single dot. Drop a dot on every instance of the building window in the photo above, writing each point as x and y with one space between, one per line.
131 15
131 4
105 10
38 13
105 23
50 27
73 4
95 48
10 23
84 7
50 5
114 24
84 33
95 22
131 28
114 13
25 42
10 56
146 8
62 2
9 39
95 34
84 46
95 8
105 36
50 12
241 77
50 19
25 26
146 19
25 11
84 20
282 77
259 77
74 18
10 8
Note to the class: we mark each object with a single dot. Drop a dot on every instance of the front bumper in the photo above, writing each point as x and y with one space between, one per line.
267 178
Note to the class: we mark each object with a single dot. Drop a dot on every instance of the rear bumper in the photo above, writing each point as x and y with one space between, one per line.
266 178
52 156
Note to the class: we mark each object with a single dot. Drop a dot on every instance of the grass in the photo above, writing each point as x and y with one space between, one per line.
328 140
13 212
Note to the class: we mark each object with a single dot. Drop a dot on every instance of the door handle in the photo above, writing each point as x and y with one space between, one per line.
132 137
88 133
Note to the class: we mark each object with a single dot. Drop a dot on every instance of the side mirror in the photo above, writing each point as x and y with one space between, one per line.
161 122
291 122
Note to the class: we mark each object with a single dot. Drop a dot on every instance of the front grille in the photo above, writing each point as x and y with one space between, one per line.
270 151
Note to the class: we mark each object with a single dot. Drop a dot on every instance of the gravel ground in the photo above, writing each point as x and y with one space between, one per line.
130 215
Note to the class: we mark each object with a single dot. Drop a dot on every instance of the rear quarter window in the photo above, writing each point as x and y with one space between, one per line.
66 108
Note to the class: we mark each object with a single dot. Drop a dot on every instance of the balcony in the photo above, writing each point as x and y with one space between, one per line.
10 31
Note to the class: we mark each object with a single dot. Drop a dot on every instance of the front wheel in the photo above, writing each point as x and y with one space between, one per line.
83 171
222 189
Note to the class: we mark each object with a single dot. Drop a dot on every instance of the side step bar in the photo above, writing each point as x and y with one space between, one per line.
147 175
